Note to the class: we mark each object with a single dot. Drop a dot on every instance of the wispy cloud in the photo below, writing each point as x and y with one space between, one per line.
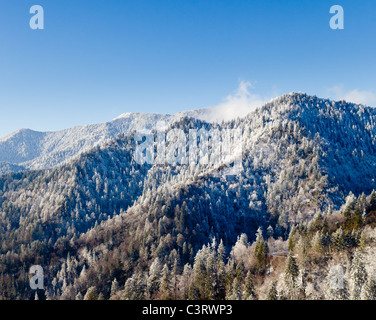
237 104
356 96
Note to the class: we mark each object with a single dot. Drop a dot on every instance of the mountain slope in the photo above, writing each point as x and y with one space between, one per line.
27 149
103 216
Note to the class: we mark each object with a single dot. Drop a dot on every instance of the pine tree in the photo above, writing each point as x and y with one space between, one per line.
292 269
291 239
199 272
134 288
228 295
165 284
317 242
128 289
350 205
236 293
154 277
362 242
337 285
249 287
91 294
186 280
273 293
174 277
260 253
358 275
114 287
301 248
221 275
339 240
239 270
291 275
301 286
211 275
194 293
357 217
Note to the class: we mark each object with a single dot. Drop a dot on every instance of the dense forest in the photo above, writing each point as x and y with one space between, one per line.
301 213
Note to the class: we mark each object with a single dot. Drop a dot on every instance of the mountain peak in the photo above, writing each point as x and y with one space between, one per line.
39 150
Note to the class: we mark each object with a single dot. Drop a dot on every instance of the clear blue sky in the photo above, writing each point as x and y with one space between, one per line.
97 59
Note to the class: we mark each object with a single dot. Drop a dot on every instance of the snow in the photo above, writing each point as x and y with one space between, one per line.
28 149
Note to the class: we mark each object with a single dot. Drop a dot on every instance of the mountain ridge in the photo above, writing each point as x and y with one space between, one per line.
26 149
104 213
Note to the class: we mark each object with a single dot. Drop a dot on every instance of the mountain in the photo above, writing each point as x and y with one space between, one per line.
308 164
26 149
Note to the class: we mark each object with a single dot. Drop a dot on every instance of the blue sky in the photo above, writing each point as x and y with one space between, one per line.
96 59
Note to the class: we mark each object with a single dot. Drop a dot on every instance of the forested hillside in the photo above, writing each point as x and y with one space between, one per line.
103 226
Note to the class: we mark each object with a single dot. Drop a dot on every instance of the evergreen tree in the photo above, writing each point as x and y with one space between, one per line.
221 274
358 275
337 285
186 280
339 240
362 242
291 239
114 287
273 293
301 248
239 270
174 277
350 205
249 287
199 272
194 293
211 275
236 293
134 288
260 253
291 275
165 287
292 269
317 242
128 289
154 278
357 217
91 294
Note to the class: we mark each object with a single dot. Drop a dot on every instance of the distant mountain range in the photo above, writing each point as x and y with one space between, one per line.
26 149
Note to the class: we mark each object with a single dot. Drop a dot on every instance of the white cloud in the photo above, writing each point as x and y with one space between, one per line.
356 96
238 104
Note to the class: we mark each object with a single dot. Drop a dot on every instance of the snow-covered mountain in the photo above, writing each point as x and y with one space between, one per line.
26 149
103 215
